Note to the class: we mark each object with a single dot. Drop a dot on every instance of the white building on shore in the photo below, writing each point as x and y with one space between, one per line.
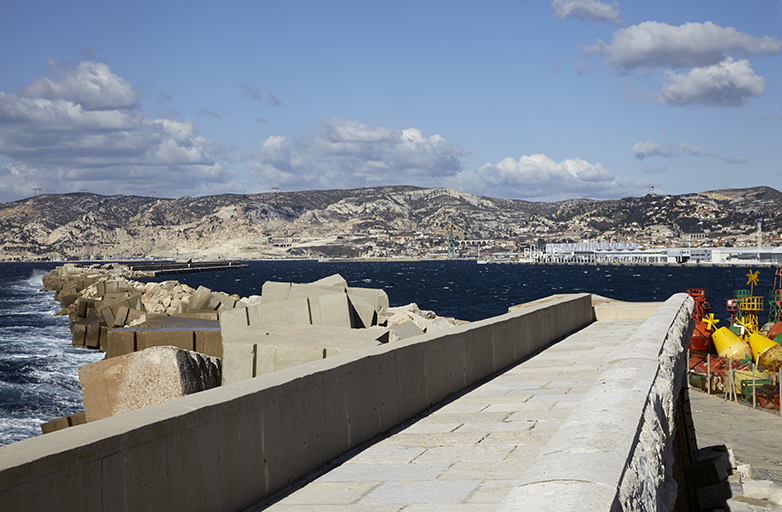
591 252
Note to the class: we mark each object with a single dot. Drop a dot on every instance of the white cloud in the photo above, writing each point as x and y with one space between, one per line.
653 44
539 177
667 150
586 10
90 84
344 153
78 130
727 84
714 77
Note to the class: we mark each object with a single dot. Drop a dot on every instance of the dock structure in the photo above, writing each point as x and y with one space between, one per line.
570 402
164 268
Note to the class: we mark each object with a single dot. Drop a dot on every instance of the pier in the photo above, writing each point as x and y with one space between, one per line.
560 402
178 267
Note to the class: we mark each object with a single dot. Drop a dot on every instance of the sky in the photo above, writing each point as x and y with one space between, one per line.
536 100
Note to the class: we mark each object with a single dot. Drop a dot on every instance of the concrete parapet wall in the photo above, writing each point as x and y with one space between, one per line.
229 447
615 451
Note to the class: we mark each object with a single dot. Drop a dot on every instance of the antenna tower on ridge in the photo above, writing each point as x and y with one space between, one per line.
37 191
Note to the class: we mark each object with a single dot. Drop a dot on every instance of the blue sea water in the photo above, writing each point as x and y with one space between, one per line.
38 365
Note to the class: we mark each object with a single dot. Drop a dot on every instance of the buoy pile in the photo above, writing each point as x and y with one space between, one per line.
742 360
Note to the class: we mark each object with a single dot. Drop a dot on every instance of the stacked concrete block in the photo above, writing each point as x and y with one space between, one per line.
65 422
203 299
296 323
152 376
249 351
161 330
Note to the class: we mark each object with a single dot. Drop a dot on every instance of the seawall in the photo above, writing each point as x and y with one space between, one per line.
229 447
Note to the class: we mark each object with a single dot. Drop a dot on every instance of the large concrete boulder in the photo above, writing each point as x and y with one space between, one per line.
152 376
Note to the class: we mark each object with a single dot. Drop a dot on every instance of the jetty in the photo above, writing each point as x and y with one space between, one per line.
562 402
162 268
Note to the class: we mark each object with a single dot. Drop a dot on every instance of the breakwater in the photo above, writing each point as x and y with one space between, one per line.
38 364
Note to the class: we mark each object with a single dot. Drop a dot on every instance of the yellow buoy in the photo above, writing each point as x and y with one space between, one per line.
729 345
766 353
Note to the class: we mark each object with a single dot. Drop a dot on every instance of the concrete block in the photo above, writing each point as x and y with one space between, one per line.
332 280
64 422
107 315
238 362
704 473
135 303
226 301
56 424
273 291
299 291
152 376
199 314
713 496
234 321
378 297
333 309
92 336
294 311
363 312
209 343
120 342
103 338
85 307
203 299
79 334
724 452
133 315
121 318
406 330
147 338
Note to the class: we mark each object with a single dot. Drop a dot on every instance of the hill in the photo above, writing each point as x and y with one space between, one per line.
382 221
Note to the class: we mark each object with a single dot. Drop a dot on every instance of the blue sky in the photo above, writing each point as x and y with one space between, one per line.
543 100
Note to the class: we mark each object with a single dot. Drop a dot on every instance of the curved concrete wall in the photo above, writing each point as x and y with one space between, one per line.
615 451
229 447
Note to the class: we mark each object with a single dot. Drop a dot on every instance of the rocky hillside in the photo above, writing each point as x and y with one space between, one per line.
71 226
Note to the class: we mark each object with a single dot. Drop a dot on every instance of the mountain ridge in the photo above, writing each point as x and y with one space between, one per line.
82 225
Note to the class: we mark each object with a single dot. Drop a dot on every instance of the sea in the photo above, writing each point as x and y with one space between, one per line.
39 366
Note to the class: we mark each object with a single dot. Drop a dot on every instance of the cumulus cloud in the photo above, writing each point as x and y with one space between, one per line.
91 85
714 77
727 84
540 177
667 150
344 153
653 44
586 10
81 128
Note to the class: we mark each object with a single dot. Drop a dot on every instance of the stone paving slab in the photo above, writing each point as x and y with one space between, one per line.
470 453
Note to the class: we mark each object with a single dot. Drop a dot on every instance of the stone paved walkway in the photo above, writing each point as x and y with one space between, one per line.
467 455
